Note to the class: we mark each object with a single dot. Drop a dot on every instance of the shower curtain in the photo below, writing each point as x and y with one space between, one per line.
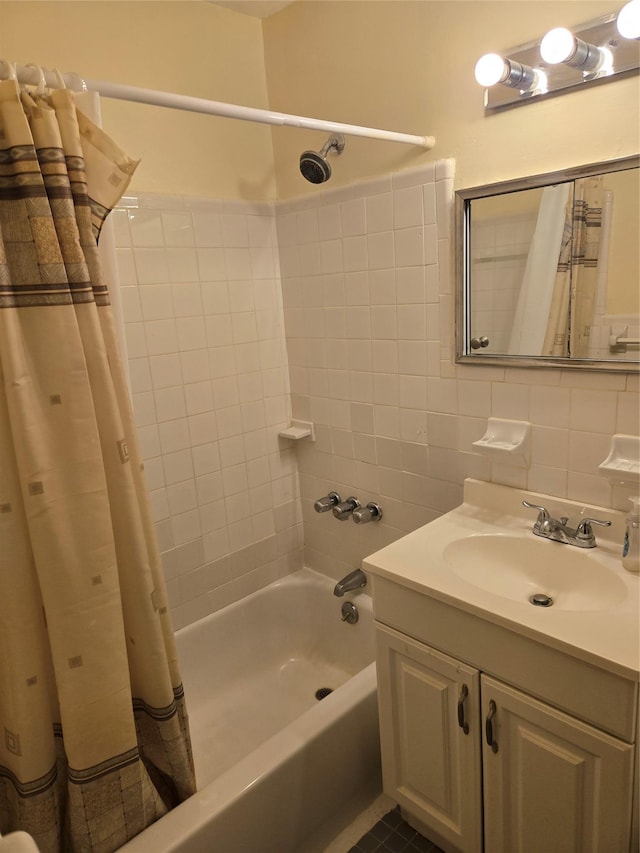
94 742
536 295
585 256
574 293
556 339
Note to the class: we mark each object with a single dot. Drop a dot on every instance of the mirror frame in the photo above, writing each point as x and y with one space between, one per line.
463 199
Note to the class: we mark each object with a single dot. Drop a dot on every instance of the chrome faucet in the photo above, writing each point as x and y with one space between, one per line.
558 530
364 514
354 580
326 503
343 510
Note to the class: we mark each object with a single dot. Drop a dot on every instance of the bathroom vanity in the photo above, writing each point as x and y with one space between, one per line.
506 725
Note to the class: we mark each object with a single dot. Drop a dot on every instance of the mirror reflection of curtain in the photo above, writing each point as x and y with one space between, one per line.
556 339
538 283
576 283
587 230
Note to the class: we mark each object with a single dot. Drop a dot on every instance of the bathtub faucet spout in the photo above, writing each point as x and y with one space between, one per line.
354 580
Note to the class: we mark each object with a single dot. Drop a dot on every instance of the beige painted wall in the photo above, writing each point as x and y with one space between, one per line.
407 65
192 48
511 204
399 64
624 259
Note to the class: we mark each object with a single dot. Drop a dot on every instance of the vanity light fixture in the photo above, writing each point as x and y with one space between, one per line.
597 52
492 68
628 22
560 45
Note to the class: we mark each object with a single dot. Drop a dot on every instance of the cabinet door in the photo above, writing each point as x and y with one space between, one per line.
552 784
430 765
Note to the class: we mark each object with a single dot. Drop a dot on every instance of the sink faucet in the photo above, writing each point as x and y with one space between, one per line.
557 529
354 580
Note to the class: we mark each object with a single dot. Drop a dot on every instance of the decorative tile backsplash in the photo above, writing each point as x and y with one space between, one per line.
360 280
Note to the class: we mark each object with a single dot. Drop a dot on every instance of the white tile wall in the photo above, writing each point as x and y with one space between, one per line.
499 252
367 289
361 277
204 323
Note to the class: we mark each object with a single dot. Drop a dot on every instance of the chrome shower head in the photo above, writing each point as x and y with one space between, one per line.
314 166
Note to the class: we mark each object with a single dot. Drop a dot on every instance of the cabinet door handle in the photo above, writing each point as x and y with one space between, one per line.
489 726
464 725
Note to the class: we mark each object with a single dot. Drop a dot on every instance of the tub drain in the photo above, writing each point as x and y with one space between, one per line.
541 599
322 692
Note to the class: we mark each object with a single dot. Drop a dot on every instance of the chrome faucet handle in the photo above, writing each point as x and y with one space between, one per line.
327 503
365 514
584 531
543 513
343 510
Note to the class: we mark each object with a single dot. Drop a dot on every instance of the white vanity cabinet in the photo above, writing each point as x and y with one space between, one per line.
552 783
430 738
493 742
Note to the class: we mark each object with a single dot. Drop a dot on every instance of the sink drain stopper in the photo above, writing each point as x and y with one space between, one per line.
541 599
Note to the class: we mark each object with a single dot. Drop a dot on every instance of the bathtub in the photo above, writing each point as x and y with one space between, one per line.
278 770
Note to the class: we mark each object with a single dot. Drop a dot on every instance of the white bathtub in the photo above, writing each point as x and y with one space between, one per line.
277 770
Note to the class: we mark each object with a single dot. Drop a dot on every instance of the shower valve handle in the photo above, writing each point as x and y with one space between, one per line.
327 503
343 510
365 514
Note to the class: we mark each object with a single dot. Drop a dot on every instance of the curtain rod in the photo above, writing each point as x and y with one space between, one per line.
31 75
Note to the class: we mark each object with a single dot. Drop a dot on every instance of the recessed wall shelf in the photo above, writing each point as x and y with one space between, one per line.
622 465
506 441
298 430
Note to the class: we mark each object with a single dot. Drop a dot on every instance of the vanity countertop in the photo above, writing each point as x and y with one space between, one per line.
604 634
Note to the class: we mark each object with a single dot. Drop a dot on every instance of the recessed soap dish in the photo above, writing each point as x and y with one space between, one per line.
622 465
299 429
506 441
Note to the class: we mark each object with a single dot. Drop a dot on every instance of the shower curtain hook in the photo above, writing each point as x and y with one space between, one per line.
8 70
59 78
42 83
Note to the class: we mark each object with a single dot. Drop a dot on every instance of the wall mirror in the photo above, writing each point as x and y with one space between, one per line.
549 269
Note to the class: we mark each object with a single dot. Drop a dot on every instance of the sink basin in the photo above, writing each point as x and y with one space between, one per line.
517 568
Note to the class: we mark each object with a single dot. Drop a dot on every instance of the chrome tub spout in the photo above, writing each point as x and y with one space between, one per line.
354 580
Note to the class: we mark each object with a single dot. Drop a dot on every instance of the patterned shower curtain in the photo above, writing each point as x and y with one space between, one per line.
94 742
574 293
556 340
584 263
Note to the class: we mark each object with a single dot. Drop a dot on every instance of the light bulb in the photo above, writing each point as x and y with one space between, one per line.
490 69
628 22
557 46
560 45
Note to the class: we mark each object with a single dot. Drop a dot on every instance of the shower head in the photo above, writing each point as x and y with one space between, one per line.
314 166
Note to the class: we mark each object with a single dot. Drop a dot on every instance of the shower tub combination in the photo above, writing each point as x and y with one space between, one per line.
279 768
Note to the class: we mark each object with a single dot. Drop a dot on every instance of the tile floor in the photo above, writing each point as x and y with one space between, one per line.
391 834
